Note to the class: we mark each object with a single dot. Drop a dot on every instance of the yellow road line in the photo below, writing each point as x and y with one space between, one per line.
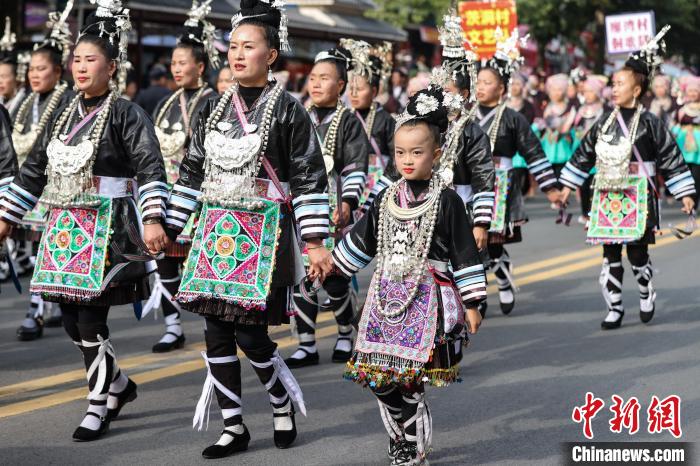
197 364
185 367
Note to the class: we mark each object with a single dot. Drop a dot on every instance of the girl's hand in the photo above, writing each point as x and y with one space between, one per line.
473 320
564 195
155 238
5 230
319 264
688 205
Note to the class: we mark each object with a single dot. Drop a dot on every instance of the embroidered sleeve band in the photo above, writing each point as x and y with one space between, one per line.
681 185
348 257
483 208
152 198
312 214
15 202
181 204
543 173
471 282
572 177
353 185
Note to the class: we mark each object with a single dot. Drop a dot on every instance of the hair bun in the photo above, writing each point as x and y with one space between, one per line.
259 11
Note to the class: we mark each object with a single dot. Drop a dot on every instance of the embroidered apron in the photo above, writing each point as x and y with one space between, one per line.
500 205
619 216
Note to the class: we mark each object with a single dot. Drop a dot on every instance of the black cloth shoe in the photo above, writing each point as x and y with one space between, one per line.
605 325
407 455
394 447
309 359
285 438
127 395
31 333
339 355
647 316
161 347
83 434
506 308
239 443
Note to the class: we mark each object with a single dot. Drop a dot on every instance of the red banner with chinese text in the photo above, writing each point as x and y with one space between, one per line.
480 20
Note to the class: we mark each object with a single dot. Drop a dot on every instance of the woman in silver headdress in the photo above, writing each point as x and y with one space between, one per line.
31 120
175 117
13 71
628 146
95 161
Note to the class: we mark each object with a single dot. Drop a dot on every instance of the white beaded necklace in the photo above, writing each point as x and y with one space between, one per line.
403 240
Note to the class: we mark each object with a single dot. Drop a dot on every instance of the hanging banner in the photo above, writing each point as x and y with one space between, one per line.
480 20
628 32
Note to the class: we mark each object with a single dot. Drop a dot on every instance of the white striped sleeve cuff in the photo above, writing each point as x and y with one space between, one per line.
544 174
15 203
681 185
181 204
482 208
152 199
471 282
572 177
378 187
348 257
353 186
312 213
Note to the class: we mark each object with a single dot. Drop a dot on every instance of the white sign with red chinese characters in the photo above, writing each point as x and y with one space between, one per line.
628 32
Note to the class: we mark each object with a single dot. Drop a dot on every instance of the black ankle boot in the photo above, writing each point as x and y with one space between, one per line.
127 395
285 438
83 434
239 443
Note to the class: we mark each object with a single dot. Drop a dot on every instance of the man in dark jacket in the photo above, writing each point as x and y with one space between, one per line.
148 98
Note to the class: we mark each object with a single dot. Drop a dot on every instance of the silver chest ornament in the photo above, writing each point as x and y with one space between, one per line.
68 160
231 153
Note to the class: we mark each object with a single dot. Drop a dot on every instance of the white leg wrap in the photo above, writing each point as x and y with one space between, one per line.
285 376
204 403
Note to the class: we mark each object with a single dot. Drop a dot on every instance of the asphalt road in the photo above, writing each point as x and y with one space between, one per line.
523 375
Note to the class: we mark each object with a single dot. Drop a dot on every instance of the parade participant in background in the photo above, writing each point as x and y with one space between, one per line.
31 121
554 128
174 118
687 130
520 104
253 158
397 95
346 150
509 134
157 90
224 79
466 162
662 104
577 77
535 94
87 165
13 71
378 124
428 272
8 158
628 146
589 112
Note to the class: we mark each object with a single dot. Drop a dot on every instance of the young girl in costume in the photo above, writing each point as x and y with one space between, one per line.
428 271
554 128
687 131
628 146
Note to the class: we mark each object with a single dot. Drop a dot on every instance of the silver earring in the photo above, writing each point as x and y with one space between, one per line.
200 82
270 77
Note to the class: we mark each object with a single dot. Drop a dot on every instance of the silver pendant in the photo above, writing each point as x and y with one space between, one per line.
62 137
224 125
606 137
250 128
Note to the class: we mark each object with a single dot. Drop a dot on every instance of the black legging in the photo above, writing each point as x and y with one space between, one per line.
638 255
222 339
338 289
169 271
399 401
586 192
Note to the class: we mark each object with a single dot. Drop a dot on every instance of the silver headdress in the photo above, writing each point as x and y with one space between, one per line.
265 11
427 105
384 53
451 36
649 58
197 19
360 57
59 37
507 59
112 22
23 60
9 39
